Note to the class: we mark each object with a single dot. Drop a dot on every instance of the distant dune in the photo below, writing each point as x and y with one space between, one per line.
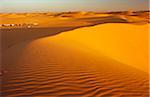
74 18
107 60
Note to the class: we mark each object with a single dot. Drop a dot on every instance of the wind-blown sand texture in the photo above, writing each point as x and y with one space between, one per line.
99 61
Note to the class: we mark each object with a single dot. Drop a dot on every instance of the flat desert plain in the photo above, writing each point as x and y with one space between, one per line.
75 54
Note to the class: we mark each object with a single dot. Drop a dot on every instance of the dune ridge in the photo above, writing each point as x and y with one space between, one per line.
53 23
65 65
129 46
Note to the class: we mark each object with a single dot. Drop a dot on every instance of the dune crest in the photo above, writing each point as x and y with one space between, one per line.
126 43
72 64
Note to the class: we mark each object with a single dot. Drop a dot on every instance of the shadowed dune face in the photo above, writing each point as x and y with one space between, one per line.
14 36
86 62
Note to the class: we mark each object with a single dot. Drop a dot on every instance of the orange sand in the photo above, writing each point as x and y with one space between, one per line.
126 43
107 60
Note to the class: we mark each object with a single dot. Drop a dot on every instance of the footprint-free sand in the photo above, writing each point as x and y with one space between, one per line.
107 60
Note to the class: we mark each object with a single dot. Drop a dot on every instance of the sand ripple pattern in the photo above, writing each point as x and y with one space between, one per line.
65 75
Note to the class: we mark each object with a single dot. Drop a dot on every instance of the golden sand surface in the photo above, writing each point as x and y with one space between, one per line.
47 24
107 60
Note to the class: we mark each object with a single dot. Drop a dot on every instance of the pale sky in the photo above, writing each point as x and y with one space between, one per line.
71 5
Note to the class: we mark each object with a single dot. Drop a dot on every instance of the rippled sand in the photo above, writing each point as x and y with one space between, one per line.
66 65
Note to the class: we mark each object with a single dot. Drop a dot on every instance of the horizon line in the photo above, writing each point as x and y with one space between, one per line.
78 11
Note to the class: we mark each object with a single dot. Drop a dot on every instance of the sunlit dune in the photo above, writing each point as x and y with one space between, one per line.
133 18
107 60
126 43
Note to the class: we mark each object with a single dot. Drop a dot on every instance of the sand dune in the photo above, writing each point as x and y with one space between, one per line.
54 26
73 18
9 36
54 23
86 62
126 43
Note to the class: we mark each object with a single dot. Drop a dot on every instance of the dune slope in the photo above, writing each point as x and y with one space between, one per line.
126 43
75 64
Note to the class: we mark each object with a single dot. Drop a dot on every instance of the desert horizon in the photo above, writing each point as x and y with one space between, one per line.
74 53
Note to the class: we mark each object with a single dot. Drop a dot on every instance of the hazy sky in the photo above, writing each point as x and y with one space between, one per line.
71 5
